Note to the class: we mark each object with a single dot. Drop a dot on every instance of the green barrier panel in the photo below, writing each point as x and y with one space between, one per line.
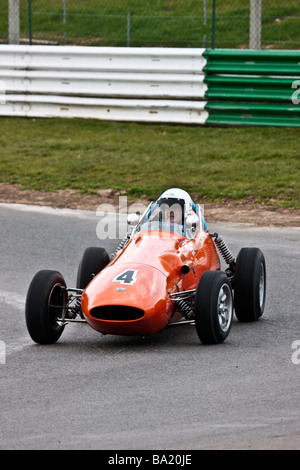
253 114
258 62
249 88
252 87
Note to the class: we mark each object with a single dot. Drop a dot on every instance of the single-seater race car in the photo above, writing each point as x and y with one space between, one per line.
166 272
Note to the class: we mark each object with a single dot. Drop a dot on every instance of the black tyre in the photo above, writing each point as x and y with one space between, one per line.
93 261
44 305
213 307
250 284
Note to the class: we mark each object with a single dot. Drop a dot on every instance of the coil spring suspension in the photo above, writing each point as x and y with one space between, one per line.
120 246
184 308
224 250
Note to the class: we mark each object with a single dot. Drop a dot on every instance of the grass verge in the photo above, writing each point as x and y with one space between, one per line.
214 164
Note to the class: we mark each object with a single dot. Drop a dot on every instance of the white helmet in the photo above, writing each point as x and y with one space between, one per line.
179 196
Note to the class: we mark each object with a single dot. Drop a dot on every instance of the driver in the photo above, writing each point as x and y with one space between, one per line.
175 205
171 212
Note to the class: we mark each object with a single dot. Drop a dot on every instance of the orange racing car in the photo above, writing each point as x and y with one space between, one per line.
166 272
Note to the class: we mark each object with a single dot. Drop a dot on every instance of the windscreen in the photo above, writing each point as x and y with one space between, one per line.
166 215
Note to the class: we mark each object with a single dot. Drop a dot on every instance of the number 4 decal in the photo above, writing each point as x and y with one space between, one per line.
126 277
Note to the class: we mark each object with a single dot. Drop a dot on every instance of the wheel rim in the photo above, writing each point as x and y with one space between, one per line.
225 307
262 286
54 306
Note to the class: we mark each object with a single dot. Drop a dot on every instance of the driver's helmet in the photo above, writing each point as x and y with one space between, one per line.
174 205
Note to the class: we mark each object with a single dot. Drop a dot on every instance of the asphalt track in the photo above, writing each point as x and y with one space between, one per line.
162 392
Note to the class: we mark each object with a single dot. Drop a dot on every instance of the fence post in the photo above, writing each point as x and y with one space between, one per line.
128 29
65 21
13 22
30 21
213 25
255 24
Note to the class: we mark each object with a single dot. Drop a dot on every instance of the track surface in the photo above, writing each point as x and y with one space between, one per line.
162 392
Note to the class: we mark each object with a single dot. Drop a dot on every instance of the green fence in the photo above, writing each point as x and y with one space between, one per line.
252 87
166 23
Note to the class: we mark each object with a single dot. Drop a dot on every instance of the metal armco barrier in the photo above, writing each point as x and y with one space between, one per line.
254 62
249 87
258 114
188 86
128 84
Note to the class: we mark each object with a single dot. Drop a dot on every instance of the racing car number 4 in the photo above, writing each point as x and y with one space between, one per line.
127 277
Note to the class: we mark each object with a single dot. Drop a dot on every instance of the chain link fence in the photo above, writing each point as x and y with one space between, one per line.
149 23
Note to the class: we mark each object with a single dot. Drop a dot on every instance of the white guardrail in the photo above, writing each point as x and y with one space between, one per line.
125 84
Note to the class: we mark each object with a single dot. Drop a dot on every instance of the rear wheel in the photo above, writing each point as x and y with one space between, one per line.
46 299
213 307
93 261
250 284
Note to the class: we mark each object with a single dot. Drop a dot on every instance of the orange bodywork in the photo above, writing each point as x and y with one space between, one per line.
130 296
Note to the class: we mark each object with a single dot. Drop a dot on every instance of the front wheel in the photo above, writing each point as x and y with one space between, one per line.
94 259
213 307
250 284
46 299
